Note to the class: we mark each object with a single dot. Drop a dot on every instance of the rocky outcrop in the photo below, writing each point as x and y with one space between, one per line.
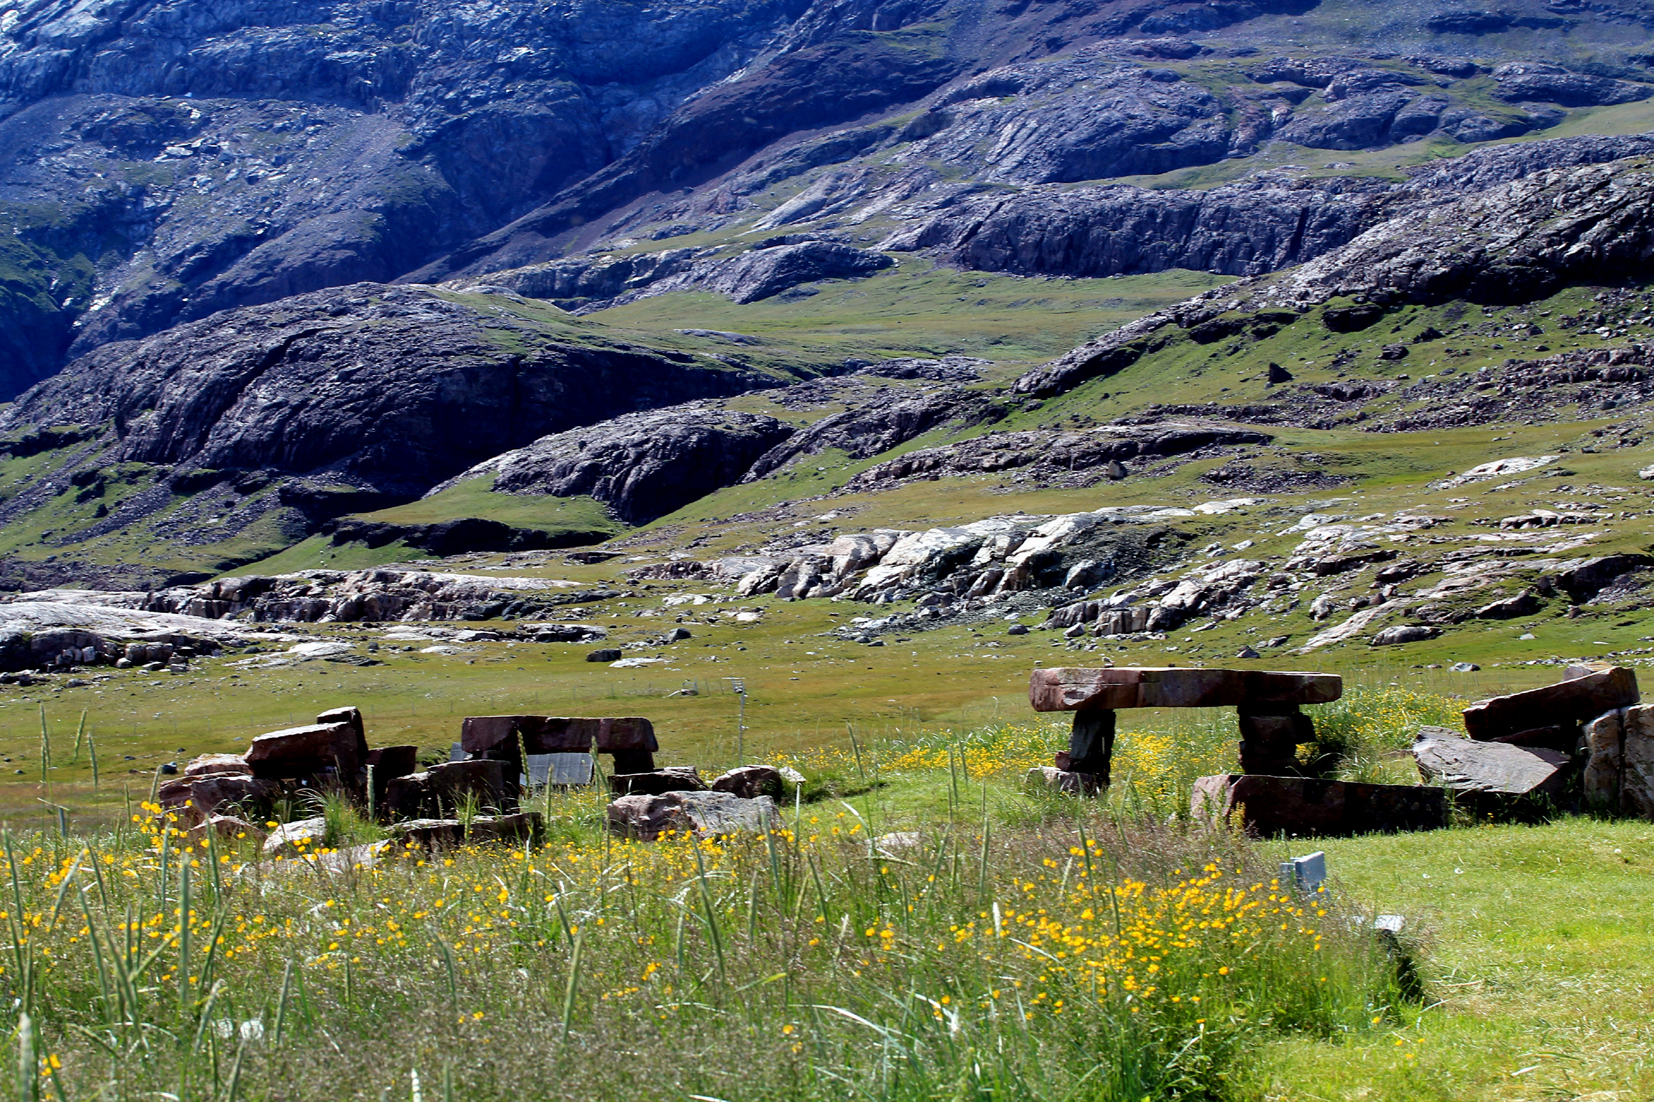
1243 229
591 283
336 402
1513 242
866 431
384 594
1048 458
641 465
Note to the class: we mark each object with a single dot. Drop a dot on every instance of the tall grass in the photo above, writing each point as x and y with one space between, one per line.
1086 960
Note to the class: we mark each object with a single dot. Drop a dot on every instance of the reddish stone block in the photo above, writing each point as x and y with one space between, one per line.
1073 689
1565 704
1306 806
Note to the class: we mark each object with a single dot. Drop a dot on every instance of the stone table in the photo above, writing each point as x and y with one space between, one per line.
1266 701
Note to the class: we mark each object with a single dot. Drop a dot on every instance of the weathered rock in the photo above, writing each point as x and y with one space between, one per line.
1582 579
1487 768
1042 454
435 833
1090 744
227 827
1270 735
428 833
1525 603
676 778
438 791
750 781
302 836
1060 690
216 763
1269 807
1619 774
864 432
642 465
1567 702
1405 633
217 792
1046 778
604 654
706 813
308 751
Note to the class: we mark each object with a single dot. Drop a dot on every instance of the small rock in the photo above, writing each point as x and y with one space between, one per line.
169 768
678 635
1646 473
604 654
749 781
226 826
126 663
1464 667
1278 374
1017 629
1393 352
1048 778
898 843
677 778
1247 652
292 838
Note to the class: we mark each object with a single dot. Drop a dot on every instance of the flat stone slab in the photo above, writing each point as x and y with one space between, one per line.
1495 768
1308 807
1073 689
1567 702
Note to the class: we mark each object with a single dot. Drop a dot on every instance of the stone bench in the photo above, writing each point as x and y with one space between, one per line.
1266 701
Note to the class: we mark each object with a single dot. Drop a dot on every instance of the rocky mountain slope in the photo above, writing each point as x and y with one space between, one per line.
339 285
159 163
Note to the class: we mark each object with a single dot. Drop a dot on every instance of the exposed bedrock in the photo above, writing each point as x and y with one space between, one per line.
642 465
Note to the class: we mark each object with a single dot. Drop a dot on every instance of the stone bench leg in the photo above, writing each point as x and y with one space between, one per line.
633 761
1269 738
1090 743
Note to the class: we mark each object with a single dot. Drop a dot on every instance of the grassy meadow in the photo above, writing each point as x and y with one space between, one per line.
918 926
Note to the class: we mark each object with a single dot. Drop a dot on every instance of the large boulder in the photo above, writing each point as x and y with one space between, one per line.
656 782
648 818
1565 703
1619 773
642 465
1488 768
309 751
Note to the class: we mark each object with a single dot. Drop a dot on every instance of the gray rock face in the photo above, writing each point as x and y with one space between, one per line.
1083 118
335 402
871 429
1072 458
1493 768
1241 229
253 151
642 465
1523 81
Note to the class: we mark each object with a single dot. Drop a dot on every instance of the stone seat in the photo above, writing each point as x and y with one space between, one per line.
1114 688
